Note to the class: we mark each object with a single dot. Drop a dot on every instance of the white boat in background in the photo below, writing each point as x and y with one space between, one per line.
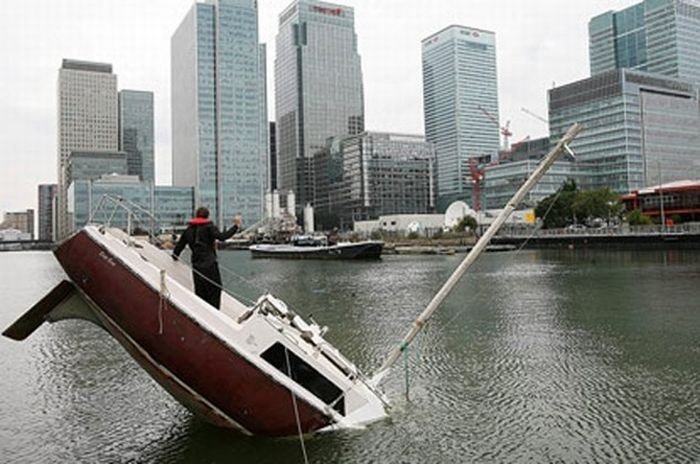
317 247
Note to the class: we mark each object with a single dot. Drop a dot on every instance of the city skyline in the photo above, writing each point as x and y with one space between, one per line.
549 43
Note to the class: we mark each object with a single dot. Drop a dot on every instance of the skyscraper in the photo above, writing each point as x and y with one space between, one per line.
318 88
658 36
47 196
459 84
219 109
87 120
136 132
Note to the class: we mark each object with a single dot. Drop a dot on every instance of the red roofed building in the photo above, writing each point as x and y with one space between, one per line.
680 198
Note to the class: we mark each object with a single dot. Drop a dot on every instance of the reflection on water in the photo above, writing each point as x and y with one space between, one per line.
542 356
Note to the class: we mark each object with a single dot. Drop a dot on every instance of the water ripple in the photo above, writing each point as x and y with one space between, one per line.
536 357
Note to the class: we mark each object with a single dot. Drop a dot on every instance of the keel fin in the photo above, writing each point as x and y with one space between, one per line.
37 314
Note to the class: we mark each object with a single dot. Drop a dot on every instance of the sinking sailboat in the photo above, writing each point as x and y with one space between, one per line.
260 369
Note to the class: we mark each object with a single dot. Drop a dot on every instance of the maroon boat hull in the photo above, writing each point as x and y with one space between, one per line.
194 365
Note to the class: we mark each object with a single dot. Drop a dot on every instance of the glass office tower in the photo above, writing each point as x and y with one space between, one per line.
318 88
639 129
658 36
459 84
90 165
136 132
219 109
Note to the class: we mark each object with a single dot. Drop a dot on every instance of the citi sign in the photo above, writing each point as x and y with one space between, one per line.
327 11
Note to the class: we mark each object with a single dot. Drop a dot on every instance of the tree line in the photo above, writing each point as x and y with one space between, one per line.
570 206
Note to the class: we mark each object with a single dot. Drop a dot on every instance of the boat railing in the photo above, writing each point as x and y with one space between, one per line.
135 214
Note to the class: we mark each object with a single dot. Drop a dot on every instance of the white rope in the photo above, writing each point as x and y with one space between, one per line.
261 289
296 409
164 296
221 287
252 283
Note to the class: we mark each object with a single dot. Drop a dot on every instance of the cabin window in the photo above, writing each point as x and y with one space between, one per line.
304 375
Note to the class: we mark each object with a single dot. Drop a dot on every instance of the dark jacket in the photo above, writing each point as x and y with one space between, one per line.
200 235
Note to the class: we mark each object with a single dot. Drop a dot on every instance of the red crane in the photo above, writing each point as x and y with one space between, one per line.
478 173
505 130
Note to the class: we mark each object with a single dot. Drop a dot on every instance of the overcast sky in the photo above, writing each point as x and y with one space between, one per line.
538 43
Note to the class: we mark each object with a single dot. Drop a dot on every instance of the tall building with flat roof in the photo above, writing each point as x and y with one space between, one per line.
136 132
657 36
459 84
219 109
640 129
87 120
318 88
46 212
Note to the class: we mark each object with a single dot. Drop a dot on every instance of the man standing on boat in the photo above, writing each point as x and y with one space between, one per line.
201 236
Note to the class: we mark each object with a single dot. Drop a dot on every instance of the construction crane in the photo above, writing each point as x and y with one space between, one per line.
504 130
536 116
478 173
569 151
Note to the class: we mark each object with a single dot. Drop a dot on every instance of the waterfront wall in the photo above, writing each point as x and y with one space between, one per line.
650 237
25 245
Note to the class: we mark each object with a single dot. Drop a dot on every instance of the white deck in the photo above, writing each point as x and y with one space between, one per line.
252 336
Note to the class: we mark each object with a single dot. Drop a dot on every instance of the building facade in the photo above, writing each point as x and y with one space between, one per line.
171 206
656 36
273 156
459 86
318 88
670 203
505 179
46 212
640 129
87 120
91 165
136 132
219 109
22 221
364 176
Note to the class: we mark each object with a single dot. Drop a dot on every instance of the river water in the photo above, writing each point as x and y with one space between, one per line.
537 356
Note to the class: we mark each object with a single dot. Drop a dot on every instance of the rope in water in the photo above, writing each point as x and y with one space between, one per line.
404 350
163 304
296 408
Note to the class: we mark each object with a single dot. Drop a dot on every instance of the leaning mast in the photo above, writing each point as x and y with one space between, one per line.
478 248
